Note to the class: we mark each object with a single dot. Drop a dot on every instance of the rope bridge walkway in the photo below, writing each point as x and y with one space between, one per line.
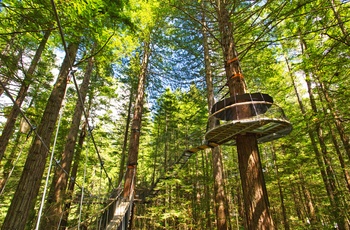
115 215
238 115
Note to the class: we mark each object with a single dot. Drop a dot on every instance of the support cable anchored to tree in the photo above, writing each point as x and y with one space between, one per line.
80 99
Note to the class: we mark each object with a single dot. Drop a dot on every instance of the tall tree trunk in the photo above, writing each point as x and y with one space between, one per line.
155 161
334 193
221 209
308 202
166 143
73 176
136 125
10 159
219 191
336 118
126 135
56 199
27 190
333 135
297 205
280 189
11 120
340 158
207 197
254 189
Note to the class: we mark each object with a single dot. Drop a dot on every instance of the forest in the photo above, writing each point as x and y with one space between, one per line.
106 100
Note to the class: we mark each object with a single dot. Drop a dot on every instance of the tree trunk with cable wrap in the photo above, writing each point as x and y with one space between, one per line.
136 125
255 197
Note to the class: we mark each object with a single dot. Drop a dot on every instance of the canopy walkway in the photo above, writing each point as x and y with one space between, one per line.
238 115
115 215
248 113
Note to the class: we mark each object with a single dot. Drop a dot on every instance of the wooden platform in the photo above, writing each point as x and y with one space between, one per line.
266 129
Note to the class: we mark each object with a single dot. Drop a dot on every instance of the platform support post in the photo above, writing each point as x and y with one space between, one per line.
256 202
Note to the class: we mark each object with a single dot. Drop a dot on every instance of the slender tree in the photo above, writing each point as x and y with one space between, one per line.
126 135
10 123
222 212
136 124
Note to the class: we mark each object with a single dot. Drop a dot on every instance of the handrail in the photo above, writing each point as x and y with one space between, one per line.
104 216
241 103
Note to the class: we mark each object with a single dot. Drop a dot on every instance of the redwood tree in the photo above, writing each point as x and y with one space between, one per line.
136 123
55 204
222 213
254 189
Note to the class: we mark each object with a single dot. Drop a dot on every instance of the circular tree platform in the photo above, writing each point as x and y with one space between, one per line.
247 113
266 129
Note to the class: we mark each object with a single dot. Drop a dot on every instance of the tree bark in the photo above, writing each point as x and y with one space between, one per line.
73 176
55 204
207 197
136 125
281 193
11 120
126 135
254 188
28 188
255 195
221 209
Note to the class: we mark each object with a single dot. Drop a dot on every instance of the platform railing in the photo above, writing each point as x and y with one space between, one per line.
267 120
255 109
